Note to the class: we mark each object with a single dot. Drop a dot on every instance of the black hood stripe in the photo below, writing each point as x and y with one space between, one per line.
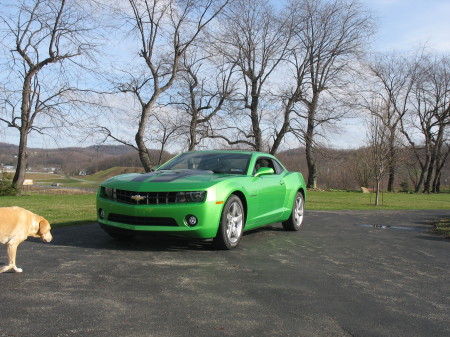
168 176
144 177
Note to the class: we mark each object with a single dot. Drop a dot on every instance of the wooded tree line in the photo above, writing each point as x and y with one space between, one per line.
252 74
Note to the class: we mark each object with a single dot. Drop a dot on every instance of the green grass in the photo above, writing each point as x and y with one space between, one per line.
84 182
64 210
59 210
102 175
442 227
66 181
356 200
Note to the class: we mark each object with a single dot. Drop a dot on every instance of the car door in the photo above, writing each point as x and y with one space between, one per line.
271 191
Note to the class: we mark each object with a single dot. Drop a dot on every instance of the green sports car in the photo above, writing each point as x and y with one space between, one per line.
204 194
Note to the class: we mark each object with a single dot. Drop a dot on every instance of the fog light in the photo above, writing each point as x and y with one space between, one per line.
191 220
101 213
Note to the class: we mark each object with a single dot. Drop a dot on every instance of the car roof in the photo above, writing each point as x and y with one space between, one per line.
232 151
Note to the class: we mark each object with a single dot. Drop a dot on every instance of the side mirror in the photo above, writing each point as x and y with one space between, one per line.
264 171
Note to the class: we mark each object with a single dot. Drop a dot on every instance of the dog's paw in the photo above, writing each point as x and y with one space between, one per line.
18 270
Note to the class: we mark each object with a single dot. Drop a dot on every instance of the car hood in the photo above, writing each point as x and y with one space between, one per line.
169 180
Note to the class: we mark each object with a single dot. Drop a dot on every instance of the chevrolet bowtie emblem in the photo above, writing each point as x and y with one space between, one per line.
138 198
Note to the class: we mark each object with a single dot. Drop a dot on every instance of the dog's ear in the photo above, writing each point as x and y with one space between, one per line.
44 227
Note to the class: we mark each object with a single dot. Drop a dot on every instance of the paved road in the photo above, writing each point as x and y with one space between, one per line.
339 276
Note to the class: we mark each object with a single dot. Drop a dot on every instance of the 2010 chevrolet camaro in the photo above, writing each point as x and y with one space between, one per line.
204 194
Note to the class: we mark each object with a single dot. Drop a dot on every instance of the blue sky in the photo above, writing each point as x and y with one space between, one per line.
403 25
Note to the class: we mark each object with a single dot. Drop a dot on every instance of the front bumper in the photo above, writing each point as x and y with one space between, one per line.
167 218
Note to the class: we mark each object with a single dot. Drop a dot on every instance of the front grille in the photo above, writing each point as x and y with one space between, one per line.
142 221
147 198
152 198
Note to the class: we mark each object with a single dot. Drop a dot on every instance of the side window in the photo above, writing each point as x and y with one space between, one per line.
278 168
268 162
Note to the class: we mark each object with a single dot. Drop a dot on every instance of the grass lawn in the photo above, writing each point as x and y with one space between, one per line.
357 200
59 210
64 210
442 227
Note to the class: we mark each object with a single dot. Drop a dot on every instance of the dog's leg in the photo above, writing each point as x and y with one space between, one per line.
5 268
12 250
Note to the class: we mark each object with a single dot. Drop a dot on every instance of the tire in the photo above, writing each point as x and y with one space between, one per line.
231 224
296 218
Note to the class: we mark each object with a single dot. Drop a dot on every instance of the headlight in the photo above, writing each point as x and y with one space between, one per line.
197 196
109 192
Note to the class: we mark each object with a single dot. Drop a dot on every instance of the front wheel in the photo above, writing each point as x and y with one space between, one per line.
231 224
295 220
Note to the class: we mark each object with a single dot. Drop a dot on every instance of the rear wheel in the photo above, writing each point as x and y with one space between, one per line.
231 224
295 220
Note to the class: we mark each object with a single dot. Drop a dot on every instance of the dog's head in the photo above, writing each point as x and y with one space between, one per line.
44 230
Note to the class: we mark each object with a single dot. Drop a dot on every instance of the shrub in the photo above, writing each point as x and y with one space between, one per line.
6 186
404 185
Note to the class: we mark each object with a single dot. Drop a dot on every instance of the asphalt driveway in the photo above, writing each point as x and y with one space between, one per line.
346 273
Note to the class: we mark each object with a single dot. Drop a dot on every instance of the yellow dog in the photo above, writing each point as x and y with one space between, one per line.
16 224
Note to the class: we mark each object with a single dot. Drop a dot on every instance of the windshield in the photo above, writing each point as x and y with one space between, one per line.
232 163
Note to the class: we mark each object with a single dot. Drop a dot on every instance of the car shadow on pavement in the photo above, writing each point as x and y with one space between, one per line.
93 237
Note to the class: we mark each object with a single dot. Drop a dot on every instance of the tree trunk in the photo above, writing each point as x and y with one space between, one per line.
429 173
24 129
284 129
22 161
140 135
309 146
193 132
436 183
440 163
311 159
423 171
391 179
143 152
312 174
392 156
420 182
377 193
255 118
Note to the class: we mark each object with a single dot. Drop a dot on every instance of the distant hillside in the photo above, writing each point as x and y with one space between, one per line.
114 150
73 160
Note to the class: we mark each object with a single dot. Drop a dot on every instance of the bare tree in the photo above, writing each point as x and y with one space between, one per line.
378 135
360 166
437 89
42 35
328 38
165 127
393 79
165 31
205 85
426 124
255 39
